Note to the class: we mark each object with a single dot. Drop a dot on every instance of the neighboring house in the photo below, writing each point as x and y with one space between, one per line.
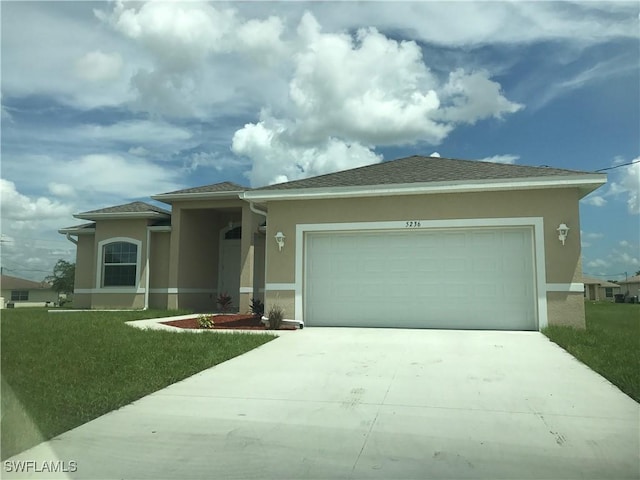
599 290
631 286
26 293
418 242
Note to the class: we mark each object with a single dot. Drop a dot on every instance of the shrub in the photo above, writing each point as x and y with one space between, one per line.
224 302
276 314
205 321
257 307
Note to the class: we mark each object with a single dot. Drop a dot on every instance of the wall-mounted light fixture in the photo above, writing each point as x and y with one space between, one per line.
563 231
280 240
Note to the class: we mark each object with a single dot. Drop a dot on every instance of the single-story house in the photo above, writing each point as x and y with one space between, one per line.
26 293
631 286
418 242
599 290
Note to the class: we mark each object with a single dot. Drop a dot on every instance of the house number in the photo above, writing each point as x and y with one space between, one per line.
412 224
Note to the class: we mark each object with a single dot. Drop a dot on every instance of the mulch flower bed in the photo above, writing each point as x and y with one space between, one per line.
236 322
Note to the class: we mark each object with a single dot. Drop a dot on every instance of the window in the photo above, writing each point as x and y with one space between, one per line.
608 292
19 295
120 264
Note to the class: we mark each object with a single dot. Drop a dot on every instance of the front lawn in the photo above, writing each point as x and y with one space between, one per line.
610 345
61 370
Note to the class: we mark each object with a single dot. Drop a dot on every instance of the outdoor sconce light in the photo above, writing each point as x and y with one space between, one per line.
563 231
280 240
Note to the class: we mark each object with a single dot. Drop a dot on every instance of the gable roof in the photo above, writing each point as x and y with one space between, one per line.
215 190
597 281
83 228
128 210
14 283
634 279
418 174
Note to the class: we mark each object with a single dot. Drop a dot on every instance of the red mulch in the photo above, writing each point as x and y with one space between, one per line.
236 322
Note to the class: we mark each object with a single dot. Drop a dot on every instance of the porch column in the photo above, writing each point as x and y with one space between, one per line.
246 258
174 255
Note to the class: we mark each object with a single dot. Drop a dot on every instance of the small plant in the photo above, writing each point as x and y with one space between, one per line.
276 314
257 307
224 302
205 321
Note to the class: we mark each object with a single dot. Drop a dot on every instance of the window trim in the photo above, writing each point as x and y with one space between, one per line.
100 264
608 292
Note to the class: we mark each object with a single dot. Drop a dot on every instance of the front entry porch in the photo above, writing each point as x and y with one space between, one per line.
216 247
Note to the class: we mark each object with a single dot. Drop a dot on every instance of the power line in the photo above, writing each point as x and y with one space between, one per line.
618 166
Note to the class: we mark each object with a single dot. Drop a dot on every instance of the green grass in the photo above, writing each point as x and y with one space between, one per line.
610 345
61 370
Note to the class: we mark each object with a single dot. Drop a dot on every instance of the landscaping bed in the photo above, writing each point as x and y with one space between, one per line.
235 322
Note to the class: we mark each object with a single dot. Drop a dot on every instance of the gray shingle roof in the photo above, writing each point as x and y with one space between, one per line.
418 169
133 207
14 283
82 226
213 188
597 281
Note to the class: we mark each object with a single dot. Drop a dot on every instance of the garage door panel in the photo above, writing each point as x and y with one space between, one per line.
463 278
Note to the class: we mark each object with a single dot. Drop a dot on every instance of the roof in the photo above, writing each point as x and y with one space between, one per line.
419 175
79 229
128 210
14 283
418 169
634 279
598 281
215 190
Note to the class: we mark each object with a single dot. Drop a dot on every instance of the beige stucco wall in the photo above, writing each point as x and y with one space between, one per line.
117 300
555 206
35 296
82 300
566 309
85 262
159 259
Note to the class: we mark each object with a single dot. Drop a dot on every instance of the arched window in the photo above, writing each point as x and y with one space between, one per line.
119 264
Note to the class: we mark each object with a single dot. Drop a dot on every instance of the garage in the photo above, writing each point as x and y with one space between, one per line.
459 278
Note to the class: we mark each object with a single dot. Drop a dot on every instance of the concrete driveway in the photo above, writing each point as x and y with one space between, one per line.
368 403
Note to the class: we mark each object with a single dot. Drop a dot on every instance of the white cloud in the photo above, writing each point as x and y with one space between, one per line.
435 154
97 66
598 263
135 131
595 200
593 235
624 243
276 161
510 159
626 183
387 96
61 189
16 206
474 97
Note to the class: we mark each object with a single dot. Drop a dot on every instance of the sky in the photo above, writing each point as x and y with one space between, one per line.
104 103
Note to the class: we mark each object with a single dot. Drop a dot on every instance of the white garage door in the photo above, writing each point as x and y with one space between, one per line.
456 278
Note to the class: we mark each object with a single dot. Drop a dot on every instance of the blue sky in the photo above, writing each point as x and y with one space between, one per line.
109 102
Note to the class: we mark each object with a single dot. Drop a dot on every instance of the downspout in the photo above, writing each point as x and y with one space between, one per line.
146 267
75 242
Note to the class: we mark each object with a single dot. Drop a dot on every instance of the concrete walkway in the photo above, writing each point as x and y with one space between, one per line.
368 403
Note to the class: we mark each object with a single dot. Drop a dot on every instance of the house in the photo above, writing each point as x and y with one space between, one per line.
417 242
631 286
599 290
19 292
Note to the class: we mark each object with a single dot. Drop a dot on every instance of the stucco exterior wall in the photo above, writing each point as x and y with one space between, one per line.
35 296
159 259
85 262
554 206
566 309
117 300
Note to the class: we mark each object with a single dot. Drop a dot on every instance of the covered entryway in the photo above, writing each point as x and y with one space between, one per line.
463 278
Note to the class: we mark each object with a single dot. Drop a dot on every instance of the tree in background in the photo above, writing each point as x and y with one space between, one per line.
64 274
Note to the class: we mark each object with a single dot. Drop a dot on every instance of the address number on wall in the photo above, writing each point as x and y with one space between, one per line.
412 224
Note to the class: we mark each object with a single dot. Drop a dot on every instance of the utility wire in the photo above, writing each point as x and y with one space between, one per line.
618 166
